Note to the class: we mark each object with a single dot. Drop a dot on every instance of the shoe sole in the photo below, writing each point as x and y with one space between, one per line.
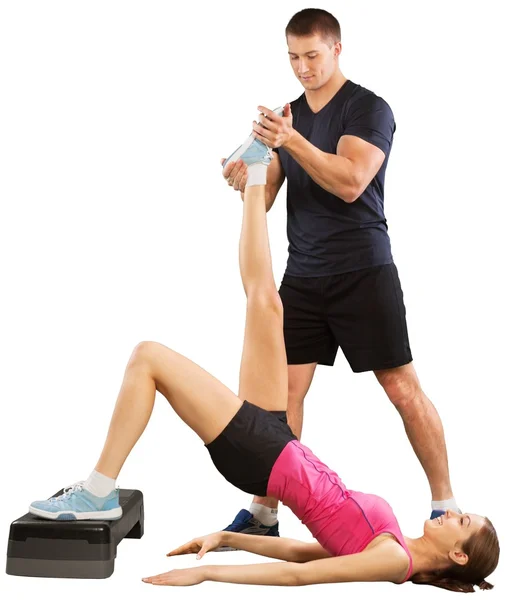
240 151
69 515
230 549
248 531
225 549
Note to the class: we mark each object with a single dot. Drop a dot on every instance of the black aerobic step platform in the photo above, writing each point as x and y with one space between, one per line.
79 549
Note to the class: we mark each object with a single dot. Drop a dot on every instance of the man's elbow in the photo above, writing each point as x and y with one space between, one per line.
348 194
353 190
270 197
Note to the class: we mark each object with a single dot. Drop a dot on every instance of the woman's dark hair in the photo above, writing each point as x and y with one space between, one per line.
483 550
314 21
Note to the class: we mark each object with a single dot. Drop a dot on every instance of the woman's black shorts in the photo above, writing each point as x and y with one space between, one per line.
245 452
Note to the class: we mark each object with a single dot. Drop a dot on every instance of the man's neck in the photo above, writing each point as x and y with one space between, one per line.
317 99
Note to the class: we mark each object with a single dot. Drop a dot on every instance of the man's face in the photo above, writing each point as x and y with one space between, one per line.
313 60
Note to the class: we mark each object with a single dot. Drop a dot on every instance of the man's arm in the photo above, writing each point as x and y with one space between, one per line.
275 179
349 171
345 174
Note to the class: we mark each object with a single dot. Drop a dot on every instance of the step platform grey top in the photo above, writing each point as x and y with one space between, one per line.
84 549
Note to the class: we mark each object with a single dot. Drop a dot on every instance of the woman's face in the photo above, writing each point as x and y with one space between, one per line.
450 532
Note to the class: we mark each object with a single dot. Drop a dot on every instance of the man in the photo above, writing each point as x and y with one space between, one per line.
341 286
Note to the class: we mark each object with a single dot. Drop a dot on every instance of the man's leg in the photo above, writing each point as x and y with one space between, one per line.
423 427
299 381
368 316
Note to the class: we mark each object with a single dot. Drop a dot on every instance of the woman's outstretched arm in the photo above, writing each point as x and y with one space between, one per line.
276 547
273 547
386 562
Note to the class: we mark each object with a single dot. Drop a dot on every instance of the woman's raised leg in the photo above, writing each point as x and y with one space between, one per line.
263 371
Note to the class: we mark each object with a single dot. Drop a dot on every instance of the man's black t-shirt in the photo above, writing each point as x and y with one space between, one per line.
327 235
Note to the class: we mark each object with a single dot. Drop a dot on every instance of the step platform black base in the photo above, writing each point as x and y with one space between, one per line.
77 549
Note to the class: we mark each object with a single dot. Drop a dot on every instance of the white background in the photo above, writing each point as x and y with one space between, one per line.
117 227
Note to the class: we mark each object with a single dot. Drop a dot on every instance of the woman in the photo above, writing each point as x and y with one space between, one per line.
358 537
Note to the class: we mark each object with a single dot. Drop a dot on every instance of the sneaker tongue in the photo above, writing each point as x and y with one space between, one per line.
243 515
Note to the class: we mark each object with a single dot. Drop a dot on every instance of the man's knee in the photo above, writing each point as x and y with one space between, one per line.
296 394
401 386
299 380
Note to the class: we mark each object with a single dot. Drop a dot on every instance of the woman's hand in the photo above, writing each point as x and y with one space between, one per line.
200 545
235 173
179 577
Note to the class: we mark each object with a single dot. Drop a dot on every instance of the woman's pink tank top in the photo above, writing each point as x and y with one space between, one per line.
341 520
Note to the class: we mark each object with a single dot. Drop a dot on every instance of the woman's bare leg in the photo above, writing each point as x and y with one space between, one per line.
263 371
199 399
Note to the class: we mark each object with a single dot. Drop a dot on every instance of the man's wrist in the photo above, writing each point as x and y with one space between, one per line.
292 139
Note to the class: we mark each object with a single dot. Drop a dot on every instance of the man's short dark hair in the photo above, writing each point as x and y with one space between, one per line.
314 21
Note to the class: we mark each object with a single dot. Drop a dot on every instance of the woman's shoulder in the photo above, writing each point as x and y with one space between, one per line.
390 550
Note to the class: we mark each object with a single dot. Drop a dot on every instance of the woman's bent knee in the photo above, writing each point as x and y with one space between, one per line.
143 353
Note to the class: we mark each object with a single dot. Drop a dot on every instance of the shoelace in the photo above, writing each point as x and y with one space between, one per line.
69 491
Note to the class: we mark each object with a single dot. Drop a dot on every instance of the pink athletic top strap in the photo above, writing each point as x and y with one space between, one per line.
343 521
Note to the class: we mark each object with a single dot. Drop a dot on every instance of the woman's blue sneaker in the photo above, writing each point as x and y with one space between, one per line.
252 150
77 503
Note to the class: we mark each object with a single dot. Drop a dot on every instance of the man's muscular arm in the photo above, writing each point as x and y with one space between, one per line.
275 179
345 174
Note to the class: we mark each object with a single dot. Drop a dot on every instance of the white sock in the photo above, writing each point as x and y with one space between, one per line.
99 485
267 516
450 504
256 174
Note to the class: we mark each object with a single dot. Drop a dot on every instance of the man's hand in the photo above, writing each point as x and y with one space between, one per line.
200 545
272 130
235 174
179 577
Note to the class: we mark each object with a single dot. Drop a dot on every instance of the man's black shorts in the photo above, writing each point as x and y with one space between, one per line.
361 311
